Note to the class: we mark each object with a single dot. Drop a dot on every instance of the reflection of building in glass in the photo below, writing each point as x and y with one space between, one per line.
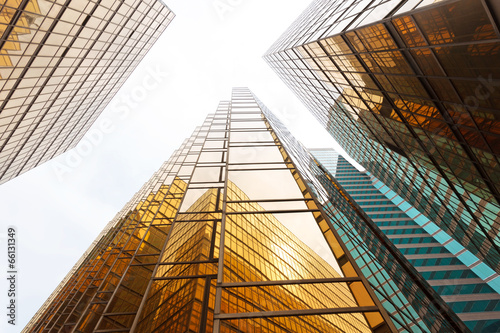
411 92
24 22
258 248
469 287
209 245
60 65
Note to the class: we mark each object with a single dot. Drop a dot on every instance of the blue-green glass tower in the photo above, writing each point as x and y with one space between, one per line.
469 286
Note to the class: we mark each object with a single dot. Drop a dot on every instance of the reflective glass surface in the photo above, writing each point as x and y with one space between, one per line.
410 90
201 248
61 63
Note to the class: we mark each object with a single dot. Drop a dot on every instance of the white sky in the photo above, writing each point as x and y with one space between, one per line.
60 207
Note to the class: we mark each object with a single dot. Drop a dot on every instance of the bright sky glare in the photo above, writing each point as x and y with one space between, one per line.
212 45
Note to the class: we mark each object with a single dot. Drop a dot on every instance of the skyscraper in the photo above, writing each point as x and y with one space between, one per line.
60 65
209 245
410 90
469 287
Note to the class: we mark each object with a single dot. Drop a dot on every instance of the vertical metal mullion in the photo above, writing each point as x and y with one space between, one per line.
348 255
148 288
82 279
87 307
135 252
220 265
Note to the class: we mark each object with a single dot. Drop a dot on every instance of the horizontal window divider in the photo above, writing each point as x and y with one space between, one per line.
289 313
256 142
262 169
212 261
257 163
119 314
210 164
275 211
254 145
194 221
203 187
254 130
245 119
288 282
210 150
213 276
269 200
211 212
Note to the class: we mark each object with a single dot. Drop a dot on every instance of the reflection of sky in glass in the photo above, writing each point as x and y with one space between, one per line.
257 168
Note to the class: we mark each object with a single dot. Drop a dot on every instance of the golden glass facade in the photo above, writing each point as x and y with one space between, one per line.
409 88
158 266
61 62
257 248
209 245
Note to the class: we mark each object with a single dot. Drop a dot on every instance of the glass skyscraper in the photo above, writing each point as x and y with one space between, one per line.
61 62
209 244
410 90
469 287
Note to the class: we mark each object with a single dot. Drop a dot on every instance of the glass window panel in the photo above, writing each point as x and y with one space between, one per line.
254 154
461 21
206 174
251 136
248 124
210 157
277 247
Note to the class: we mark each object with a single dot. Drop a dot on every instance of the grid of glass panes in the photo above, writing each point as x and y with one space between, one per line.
159 263
329 76
60 65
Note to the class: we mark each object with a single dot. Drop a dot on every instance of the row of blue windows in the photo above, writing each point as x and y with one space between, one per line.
373 203
346 166
354 187
416 230
361 180
418 240
351 177
351 174
354 182
340 174
395 223
424 250
475 306
457 274
484 326
389 216
436 262
382 209
464 289
375 194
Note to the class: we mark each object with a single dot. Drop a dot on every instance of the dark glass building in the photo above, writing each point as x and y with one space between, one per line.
61 63
410 89
469 286
209 245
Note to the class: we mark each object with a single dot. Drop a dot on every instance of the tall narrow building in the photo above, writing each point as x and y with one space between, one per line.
410 90
210 244
468 285
61 63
